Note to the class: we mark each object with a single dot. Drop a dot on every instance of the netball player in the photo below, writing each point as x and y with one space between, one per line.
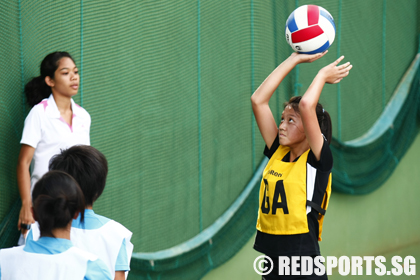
296 182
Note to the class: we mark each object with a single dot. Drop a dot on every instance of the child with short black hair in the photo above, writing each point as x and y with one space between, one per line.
99 235
57 200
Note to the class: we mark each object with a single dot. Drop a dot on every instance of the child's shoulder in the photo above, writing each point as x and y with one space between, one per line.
109 225
116 226
101 219
96 221
119 229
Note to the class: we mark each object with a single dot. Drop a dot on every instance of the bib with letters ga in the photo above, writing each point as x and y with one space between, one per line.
286 195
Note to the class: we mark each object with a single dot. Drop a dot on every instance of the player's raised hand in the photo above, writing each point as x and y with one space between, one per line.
307 58
334 73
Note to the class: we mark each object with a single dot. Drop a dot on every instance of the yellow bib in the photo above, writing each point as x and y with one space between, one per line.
283 196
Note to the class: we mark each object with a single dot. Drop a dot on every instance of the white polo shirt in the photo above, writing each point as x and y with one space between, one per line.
49 133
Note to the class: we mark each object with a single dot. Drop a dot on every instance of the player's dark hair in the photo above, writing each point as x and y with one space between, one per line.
56 199
37 89
87 165
324 119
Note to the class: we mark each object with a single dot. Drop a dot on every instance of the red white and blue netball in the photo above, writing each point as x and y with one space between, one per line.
310 29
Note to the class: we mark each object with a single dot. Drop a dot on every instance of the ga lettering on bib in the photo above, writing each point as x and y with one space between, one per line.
286 193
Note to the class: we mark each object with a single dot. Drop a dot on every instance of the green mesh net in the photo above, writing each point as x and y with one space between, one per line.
168 86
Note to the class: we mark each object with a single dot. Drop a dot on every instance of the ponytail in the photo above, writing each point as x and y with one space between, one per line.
324 121
51 213
57 198
37 89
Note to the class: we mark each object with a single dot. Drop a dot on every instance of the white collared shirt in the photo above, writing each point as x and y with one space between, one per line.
49 133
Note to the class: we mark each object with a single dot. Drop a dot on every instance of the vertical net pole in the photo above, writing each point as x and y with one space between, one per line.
210 260
383 54
252 86
339 85
200 177
276 55
81 53
22 76
296 84
418 50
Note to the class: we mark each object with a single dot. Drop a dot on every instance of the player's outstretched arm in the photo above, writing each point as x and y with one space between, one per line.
262 112
332 74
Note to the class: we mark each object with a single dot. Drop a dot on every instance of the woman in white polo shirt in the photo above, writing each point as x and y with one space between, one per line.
54 123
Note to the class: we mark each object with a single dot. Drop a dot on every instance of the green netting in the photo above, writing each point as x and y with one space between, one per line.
377 153
168 86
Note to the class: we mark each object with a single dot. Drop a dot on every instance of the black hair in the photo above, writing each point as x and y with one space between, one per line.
324 119
87 165
37 89
56 199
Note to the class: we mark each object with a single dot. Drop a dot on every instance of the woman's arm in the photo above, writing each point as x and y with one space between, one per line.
261 97
331 74
24 184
